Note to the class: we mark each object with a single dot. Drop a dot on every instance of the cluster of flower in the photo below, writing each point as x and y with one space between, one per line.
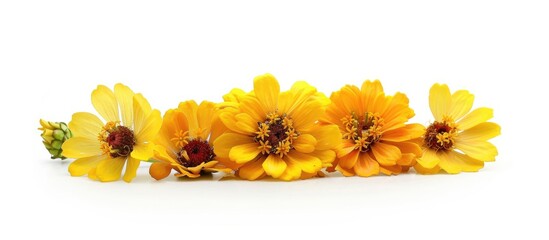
295 134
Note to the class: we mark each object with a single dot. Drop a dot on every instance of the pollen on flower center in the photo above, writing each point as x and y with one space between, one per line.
276 134
195 152
364 130
440 135
116 140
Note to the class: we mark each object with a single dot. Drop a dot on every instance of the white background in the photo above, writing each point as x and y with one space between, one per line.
54 53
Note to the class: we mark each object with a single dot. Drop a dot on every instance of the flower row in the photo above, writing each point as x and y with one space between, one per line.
287 135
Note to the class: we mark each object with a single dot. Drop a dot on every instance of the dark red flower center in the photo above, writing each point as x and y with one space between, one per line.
197 151
121 141
439 135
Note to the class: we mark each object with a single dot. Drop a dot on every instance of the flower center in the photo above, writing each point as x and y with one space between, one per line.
440 135
276 134
116 140
195 152
364 130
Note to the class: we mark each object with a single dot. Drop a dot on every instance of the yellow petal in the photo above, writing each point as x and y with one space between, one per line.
462 102
481 132
348 161
422 170
124 97
292 172
468 164
85 125
407 159
143 151
430 159
366 166
306 162
307 115
479 150
246 123
409 147
244 152
229 120
325 156
386 154
160 170
252 106
149 129
274 165
110 169
234 95
82 166
252 170
79 147
305 143
105 103
440 101
224 143
390 170
291 100
266 89
190 109
141 111
370 90
327 137
448 163
206 113
410 131
475 117
131 169
345 172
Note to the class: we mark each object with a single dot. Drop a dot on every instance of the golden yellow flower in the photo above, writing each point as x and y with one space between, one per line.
277 133
458 139
185 141
376 137
102 148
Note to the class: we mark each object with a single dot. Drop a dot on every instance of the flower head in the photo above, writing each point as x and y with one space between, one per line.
54 134
376 137
277 134
458 138
184 143
102 148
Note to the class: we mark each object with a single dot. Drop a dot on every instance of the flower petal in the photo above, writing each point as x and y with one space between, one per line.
430 159
305 143
479 150
85 125
105 103
410 131
462 102
160 170
245 122
252 170
266 89
274 165
475 117
348 161
306 162
244 152
224 143
150 127
143 151
205 116
327 137
82 166
110 169
292 172
481 132
131 169
307 115
79 147
124 97
141 111
440 101
386 154
190 109
366 166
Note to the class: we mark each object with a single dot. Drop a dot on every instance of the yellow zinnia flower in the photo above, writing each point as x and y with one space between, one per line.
277 133
375 136
185 141
101 149
458 139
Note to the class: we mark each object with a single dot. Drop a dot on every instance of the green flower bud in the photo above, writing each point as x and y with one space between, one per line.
54 134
